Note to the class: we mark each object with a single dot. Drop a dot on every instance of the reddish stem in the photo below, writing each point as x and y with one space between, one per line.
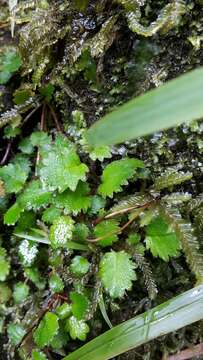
196 350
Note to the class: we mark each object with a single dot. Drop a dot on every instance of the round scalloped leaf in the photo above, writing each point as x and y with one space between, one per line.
116 272
117 174
47 329
78 329
67 169
56 284
79 265
13 214
4 265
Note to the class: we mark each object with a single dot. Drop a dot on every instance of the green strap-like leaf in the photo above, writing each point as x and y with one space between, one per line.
167 317
178 101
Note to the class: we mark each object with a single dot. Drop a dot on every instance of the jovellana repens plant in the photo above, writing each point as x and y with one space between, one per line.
86 225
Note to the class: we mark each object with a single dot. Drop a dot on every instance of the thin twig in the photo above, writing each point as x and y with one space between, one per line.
196 350
5 157
55 118
120 229
31 113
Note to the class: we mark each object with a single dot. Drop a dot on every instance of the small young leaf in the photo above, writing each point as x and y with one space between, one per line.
100 153
81 232
46 330
79 265
79 305
107 229
74 201
67 169
63 311
61 232
117 174
16 333
161 240
56 284
78 329
97 203
117 273
21 292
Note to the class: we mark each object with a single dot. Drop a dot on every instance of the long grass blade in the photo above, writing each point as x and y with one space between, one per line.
171 104
163 319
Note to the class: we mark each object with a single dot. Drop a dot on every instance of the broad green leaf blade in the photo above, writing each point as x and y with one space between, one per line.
175 102
163 319
116 272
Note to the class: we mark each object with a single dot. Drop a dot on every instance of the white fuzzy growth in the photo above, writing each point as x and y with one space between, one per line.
63 232
28 252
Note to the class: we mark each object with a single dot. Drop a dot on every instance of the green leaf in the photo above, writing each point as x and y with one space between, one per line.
178 101
79 305
16 332
78 329
50 214
116 271
161 240
74 201
47 91
26 146
61 232
34 196
100 153
40 139
67 169
13 214
117 174
107 229
27 252
81 232
97 203
63 311
14 177
21 292
38 355
46 330
4 265
5 293
56 284
79 265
